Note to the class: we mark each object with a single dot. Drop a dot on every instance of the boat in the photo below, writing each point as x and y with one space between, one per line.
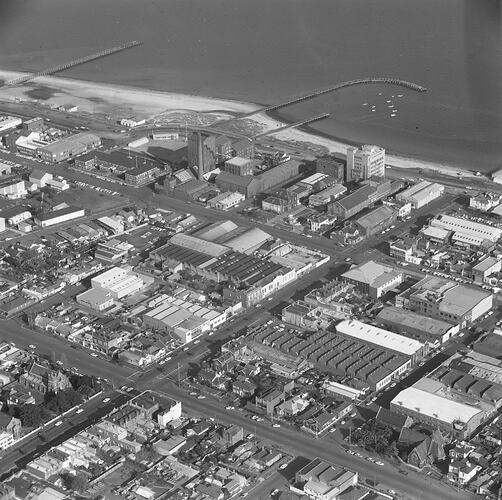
399 95
388 102
365 103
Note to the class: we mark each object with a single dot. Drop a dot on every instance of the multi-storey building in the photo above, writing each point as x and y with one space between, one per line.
366 162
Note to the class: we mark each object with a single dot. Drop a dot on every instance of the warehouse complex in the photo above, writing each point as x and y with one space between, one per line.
184 318
224 252
446 300
375 366
466 231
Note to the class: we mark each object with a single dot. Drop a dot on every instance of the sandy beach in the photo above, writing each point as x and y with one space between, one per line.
119 101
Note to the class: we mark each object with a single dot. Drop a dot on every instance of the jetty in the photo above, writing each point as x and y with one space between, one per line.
71 64
291 125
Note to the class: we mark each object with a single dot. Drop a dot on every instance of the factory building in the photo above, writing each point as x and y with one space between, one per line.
431 330
330 165
9 122
375 366
450 416
226 201
446 300
184 318
384 339
365 163
421 194
466 231
240 166
372 278
250 186
68 147
59 216
141 175
327 195
361 198
485 268
375 221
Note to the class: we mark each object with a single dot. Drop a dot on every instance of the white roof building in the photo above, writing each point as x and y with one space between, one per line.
435 406
466 229
380 337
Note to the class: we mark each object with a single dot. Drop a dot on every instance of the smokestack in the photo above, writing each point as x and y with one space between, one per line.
200 157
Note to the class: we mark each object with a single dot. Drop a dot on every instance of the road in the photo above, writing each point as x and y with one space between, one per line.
299 443
51 435
48 345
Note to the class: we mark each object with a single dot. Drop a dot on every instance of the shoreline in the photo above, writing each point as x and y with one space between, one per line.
120 101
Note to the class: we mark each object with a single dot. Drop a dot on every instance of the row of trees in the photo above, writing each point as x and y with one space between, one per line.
54 403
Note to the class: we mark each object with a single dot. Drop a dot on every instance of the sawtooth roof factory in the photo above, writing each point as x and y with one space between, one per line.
224 252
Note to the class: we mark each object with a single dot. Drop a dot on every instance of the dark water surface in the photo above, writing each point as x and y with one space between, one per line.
267 51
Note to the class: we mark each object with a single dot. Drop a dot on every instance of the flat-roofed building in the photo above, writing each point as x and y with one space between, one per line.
118 282
446 300
365 162
385 339
454 417
373 278
333 166
423 328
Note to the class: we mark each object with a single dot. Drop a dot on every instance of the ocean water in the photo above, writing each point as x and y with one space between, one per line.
269 51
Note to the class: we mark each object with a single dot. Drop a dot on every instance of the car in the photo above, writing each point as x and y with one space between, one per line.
378 462
282 466
201 397
250 436
58 423
31 346
393 384
193 394
185 349
229 407
391 492
94 355
276 425
350 452
211 334
197 341
348 259
80 410
259 419
274 492
106 400
60 363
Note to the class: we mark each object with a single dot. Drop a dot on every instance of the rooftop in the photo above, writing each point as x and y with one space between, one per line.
380 337
432 405
371 273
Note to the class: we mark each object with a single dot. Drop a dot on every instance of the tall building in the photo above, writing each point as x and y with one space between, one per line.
366 162
202 152
330 165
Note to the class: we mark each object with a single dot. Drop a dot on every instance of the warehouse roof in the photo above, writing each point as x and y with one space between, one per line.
485 264
467 227
216 230
357 197
432 405
198 245
372 273
410 319
250 240
375 217
379 336
58 213
238 180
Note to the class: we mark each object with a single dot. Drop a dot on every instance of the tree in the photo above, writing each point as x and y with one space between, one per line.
78 482
31 415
